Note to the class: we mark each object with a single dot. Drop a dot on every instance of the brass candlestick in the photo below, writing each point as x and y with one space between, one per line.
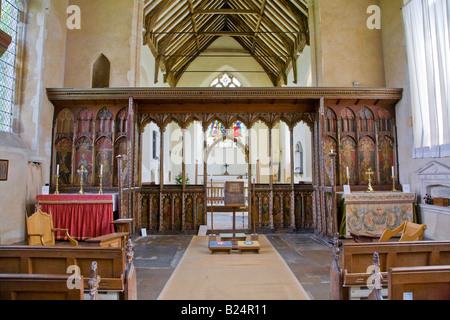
369 173
101 183
393 184
57 185
81 172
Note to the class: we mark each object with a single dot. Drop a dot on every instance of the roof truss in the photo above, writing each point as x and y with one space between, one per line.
273 32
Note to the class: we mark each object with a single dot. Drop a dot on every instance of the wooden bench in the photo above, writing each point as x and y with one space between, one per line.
46 286
220 246
37 287
115 265
422 283
248 246
357 257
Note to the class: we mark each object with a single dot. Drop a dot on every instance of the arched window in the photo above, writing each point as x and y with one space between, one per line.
9 24
226 80
101 72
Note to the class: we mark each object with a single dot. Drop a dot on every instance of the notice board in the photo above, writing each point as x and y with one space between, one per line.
234 193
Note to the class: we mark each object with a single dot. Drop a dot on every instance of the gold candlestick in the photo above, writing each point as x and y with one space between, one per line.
101 184
81 172
369 173
57 185
393 184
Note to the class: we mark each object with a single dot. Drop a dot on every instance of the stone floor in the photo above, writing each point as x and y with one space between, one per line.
308 256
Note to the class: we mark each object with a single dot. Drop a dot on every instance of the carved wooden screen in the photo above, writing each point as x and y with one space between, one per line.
64 145
104 147
84 147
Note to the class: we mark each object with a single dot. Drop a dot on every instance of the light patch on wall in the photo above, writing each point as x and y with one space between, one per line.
410 122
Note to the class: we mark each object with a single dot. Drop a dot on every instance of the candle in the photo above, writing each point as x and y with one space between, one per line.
392 169
57 169
347 173
101 169
331 151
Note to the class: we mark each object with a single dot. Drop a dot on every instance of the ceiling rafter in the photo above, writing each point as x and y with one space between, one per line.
273 32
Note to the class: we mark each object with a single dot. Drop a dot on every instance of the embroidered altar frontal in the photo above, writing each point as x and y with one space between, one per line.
374 212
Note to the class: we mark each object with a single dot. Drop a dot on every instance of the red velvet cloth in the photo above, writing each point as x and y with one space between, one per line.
86 216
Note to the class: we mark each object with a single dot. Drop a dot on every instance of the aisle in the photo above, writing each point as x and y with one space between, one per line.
222 276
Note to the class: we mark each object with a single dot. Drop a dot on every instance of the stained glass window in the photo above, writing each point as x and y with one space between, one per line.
226 80
8 24
217 131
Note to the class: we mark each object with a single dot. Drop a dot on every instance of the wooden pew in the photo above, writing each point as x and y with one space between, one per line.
357 257
20 286
424 283
37 287
116 271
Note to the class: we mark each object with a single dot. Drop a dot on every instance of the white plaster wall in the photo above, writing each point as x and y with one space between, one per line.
42 67
395 60
105 29
344 50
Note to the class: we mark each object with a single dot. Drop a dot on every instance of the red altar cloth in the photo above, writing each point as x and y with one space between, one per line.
86 216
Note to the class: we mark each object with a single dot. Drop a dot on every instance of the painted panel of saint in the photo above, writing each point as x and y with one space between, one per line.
178 213
366 154
386 159
348 160
286 210
265 211
298 211
189 213
154 224
277 211
329 144
167 213
120 148
200 210
83 159
64 160
104 157
144 212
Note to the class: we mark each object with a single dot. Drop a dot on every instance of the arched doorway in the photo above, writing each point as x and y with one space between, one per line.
226 157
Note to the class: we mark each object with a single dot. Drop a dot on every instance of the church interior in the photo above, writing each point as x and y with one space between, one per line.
157 145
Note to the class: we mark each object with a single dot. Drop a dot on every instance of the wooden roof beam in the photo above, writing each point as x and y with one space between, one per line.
152 18
263 7
194 25
227 11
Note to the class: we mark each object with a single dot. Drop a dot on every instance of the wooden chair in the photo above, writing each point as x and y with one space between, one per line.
40 230
410 232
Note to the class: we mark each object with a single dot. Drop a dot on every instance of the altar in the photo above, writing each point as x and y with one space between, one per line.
85 215
372 213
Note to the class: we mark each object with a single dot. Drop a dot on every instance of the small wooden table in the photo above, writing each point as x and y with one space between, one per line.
113 240
229 236
122 225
